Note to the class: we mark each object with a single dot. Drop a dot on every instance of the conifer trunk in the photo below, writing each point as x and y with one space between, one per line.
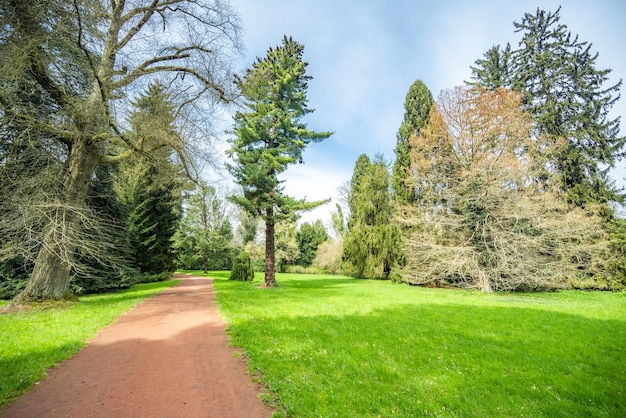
270 269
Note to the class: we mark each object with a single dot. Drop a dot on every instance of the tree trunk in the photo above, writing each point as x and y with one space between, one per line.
270 272
51 275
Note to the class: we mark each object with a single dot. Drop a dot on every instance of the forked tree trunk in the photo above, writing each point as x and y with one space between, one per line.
270 269
50 278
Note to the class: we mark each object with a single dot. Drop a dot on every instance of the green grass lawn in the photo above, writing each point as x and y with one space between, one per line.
35 339
338 347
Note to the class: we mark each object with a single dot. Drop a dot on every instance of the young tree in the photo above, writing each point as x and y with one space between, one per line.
270 136
85 59
417 106
372 243
485 220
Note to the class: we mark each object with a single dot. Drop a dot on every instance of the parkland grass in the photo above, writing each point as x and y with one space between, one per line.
37 338
329 346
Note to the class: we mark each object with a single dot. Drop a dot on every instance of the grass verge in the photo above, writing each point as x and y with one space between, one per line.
330 346
37 338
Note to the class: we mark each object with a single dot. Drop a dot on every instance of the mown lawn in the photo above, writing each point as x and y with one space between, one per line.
338 347
37 338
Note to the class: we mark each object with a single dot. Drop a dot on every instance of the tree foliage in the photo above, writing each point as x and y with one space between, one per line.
242 268
487 218
569 98
371 245
417 105
204 239
309 237
269 136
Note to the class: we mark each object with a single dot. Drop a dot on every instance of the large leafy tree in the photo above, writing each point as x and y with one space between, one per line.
570 99
371 245
269 136
417 105
85 60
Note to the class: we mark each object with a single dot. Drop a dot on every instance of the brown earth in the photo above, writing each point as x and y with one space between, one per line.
168 357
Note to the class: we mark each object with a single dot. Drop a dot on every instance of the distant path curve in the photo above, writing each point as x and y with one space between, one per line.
168 357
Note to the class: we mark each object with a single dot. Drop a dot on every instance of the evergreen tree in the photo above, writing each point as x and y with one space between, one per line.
495 70
569 97
153 222
372 243
417 105
151 185
309 237
270 136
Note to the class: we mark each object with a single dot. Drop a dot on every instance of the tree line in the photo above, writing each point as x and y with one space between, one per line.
501 184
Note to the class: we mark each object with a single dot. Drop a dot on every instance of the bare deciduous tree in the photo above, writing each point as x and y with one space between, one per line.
69 73
489 216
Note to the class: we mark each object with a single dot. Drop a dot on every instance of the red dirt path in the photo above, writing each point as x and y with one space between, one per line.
168 357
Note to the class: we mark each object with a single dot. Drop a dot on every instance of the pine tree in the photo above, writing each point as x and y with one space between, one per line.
270 136
417 105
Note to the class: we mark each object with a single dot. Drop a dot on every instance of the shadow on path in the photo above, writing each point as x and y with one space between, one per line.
168 357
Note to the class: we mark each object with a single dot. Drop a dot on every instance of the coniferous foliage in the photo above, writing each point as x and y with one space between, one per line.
417 105
153 221
570 99
269 136
371 245
242 268
151 184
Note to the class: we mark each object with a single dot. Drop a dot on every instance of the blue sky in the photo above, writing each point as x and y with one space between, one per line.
364 55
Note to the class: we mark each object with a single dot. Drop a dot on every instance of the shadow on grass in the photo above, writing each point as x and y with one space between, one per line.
444 360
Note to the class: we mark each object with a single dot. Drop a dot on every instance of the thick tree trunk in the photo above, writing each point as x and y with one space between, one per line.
51 275
270 269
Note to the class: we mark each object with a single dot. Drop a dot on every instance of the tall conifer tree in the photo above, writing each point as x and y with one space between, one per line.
270 136
372 243
417 105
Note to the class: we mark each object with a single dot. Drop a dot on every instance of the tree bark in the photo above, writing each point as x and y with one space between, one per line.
51 275
270 269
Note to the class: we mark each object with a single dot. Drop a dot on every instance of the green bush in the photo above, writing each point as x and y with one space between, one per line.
242 268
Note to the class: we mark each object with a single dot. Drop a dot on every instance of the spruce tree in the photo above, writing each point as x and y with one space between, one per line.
495 70
270 136
570 100
417 105
372 243
151 185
